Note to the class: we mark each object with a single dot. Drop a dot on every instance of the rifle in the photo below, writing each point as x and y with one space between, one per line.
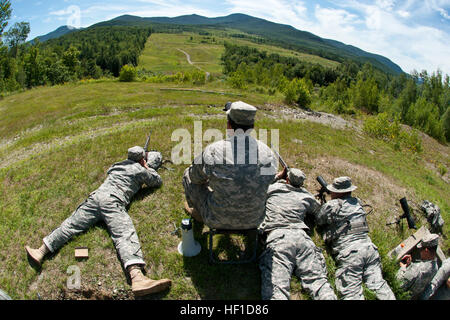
280 159
147 143
323 189
406 215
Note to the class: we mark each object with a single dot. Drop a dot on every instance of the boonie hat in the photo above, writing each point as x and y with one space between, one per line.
341 185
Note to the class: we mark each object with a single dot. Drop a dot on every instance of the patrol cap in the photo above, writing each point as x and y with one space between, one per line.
296 177
136 153
341 185
429 241
242 113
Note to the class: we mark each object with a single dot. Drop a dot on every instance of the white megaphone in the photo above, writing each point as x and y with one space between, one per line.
188 247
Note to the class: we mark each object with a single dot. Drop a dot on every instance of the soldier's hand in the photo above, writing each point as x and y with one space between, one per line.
406 260
281 174
144 163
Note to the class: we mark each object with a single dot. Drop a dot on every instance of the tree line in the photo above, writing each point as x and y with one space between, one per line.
90 53
420 100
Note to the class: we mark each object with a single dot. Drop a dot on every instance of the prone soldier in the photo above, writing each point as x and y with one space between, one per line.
108 203
346 232
288 247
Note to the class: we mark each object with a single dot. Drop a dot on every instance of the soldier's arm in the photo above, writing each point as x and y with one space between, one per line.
439 279
151 178
196 171
322 216
407 275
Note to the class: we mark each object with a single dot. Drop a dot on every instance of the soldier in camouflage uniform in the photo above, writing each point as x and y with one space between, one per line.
415 276
108 203
288 247
346 232
439 288
226 186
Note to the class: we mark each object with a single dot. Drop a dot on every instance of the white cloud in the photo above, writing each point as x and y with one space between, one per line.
403 13
385 4
380 28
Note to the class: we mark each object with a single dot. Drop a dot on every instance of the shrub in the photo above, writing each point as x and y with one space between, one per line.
365 95
237 81
128 73
297 91
387 129
424 115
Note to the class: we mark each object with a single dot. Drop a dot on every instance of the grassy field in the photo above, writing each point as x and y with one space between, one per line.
57 143
162 52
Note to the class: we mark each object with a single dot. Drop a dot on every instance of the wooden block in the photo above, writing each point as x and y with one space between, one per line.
81 253
411 242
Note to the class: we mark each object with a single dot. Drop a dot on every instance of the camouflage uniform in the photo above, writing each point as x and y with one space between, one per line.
438 289
356 256
289 248
418 275
433 214
108 203
227 184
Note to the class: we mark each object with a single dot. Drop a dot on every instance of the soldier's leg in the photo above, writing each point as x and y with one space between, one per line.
128 247
80 220
311 269
196 196
85 216
373 276
276 265
349 276
123 233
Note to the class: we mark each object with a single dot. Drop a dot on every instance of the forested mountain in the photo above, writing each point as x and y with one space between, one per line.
358 82
278 34
57 33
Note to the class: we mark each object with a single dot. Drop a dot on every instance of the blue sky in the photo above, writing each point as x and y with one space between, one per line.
415 34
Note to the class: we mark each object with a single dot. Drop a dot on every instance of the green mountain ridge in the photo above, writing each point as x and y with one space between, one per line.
278 34
281 34
61 31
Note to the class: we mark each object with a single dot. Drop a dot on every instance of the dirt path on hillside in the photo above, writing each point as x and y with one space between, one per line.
188 57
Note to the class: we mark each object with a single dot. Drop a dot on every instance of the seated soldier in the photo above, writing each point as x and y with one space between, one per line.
288 248
416 275
108 203
226 186
347 233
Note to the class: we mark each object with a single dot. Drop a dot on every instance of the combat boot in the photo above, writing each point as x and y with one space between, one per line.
141 285
37 255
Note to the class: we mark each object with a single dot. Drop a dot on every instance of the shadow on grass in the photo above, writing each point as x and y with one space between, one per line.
223 281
